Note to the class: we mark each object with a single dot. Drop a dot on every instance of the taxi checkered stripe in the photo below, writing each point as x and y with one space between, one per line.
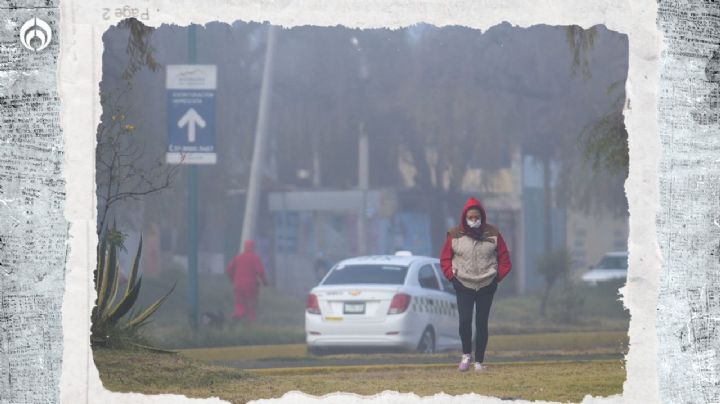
434 306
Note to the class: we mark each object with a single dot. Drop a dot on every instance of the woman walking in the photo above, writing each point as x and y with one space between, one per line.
475 259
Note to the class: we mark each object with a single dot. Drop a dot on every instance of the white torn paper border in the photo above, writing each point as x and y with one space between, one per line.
83 23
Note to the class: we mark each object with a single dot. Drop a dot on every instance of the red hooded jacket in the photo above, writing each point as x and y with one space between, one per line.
246 269
446 255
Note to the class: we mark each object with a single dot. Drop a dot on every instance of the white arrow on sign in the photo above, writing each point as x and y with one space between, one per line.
191 118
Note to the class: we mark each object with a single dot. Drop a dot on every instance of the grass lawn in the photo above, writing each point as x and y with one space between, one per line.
155 373
136 370
552 381
499 346
280 319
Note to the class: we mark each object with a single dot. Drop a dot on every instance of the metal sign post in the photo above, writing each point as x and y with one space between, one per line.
191 140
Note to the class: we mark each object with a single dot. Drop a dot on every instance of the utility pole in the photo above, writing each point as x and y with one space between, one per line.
316 161
363 184
363 154
258 158
192 246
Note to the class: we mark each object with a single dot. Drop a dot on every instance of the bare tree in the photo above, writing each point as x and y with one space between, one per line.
122 171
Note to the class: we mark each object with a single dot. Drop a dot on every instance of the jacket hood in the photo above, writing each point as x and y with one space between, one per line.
249 246
472 203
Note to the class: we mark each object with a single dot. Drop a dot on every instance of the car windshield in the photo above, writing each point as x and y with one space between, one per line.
612 263
374 274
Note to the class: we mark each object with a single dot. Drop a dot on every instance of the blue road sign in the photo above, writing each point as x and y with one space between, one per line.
191 114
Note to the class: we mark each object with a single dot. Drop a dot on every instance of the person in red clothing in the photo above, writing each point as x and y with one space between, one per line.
475 259
246 271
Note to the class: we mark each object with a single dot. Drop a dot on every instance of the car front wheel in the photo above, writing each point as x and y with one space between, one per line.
427 342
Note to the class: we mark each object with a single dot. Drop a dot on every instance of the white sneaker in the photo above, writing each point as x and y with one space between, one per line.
464 363
479 367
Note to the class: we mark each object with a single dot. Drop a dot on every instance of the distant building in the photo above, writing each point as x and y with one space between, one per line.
327 222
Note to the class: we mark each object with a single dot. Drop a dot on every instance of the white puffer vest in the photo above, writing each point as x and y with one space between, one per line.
475 262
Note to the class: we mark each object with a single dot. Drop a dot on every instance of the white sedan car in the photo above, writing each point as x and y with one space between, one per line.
386 301
613 265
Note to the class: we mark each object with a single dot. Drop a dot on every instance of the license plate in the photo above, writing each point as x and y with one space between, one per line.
354 308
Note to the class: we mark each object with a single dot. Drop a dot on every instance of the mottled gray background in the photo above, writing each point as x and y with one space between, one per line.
688 223
33 230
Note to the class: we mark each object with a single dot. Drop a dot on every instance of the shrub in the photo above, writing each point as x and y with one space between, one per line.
553 266
568 307
108 326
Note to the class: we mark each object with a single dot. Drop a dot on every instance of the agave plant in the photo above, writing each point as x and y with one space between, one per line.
110 305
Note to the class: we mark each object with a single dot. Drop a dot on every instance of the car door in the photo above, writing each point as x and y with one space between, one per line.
450 315
433 302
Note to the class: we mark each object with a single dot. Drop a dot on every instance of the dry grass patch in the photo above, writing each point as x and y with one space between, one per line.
154 373
553 381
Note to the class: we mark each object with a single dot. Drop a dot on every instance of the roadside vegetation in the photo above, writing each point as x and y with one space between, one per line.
116 318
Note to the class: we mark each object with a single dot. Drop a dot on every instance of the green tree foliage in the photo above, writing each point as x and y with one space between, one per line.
597 181
581 42
604 141
139 49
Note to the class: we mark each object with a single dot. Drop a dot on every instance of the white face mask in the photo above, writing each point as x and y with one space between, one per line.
474 224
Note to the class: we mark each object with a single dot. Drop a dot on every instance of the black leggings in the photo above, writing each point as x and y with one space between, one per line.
481 300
